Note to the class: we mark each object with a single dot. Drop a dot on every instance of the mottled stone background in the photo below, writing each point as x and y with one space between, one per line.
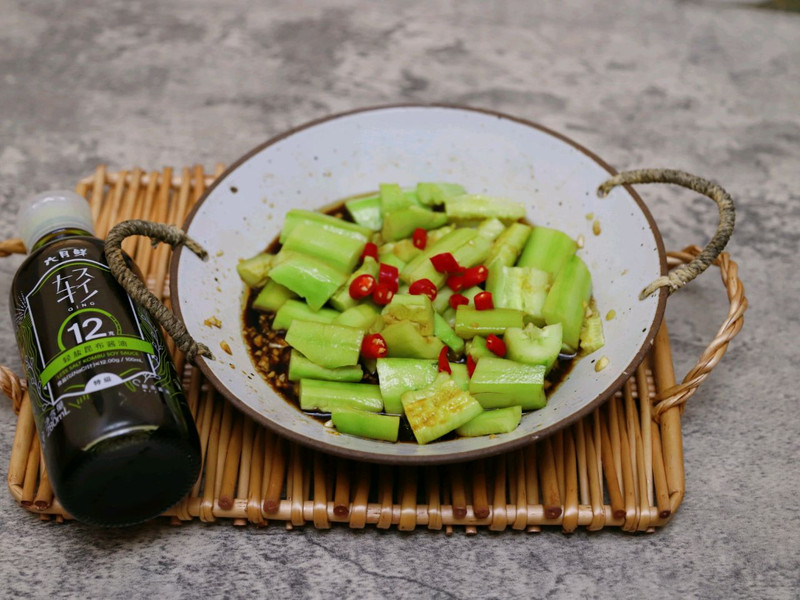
710 87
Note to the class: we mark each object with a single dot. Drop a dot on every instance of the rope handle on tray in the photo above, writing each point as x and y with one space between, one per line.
158 232
684 273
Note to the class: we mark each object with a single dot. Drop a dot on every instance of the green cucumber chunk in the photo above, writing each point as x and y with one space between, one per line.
254 271
434 194
272 296
460 375
360 316
492 422
401 223
415 308
547 249
469 254
491 229
296 216
534 346
506 248
308 277
443 331
366 424
405 250
498 382
475 207
327 396
399 375
523 288
403 340
477 348
296 309
447 243
438 409
333 247
471 322
326 344
393 198
302 368
567 300
366 211
341 299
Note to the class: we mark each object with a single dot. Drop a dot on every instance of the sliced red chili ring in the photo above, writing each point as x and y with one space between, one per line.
374 346
445 263
387 272
423 286
457 300
383 294
370 249
444 363
496 345
475 275
483 301
470 365
455 282
362 286
419 238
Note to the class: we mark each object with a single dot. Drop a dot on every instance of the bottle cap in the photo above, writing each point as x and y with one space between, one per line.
51 211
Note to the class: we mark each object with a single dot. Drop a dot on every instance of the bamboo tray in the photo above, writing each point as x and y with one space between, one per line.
622 466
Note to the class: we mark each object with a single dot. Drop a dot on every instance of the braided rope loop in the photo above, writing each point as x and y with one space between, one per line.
158 232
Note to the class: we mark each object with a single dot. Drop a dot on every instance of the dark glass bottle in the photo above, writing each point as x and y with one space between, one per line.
118 439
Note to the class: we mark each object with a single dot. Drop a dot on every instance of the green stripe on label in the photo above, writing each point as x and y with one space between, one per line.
105 344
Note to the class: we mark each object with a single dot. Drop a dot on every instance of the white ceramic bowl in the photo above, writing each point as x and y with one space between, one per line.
330 159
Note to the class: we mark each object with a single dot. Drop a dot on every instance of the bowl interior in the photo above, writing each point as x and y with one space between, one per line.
328 160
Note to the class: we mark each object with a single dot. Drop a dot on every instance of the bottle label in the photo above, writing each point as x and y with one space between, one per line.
79 335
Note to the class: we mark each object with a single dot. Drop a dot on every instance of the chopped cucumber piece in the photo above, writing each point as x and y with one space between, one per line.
469 254
491 229
399 375
491 422
443 331
460 375
272 296
442 301
417 309
473 207
507 247
401 223
333 247
547 249
471 322
438 409
302 368
366 212
405 250
366 424
498 382
326 344
403 340
448 243
296 216
523 288
360 316
477 348
392 198
433 194
534 346
592 337
327 396
295 309
567 300
309 277
254 271
434 235
342 300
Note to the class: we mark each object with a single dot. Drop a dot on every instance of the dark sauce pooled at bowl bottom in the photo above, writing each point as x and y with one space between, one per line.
270 353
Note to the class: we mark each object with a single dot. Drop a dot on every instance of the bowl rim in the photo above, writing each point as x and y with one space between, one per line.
502 446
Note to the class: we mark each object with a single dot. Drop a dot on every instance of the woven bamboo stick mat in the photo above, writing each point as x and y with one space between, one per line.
622 466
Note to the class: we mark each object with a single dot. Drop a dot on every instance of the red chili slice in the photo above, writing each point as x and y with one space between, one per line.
423 286
475 275
374 346
444 364
383 294
455 282
457 300
483 301
470 365
419 238
496 345
362 286
370 249
389 274
445 263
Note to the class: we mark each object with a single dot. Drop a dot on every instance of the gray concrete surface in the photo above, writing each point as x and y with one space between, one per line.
708 87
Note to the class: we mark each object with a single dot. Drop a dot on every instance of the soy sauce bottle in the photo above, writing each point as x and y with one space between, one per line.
117 436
